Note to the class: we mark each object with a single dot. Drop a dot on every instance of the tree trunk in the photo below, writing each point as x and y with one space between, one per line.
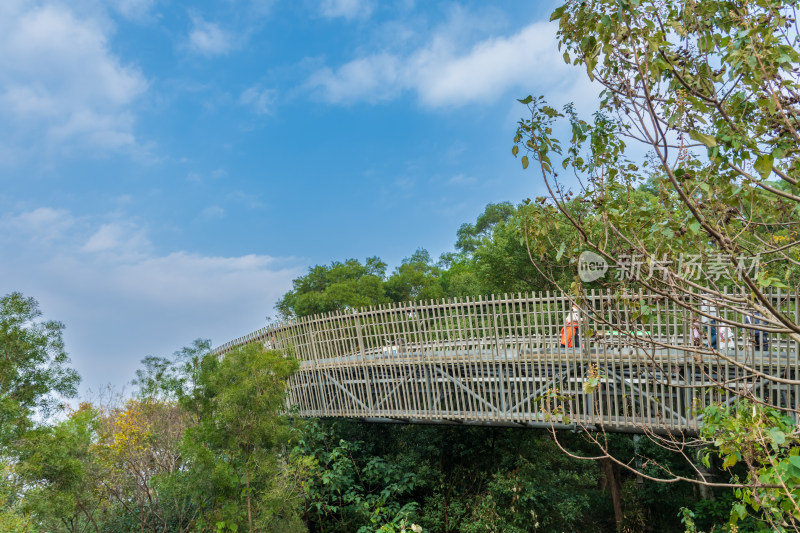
247 482
613 487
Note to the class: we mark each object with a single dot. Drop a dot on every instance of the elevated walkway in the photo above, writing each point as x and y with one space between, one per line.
499 361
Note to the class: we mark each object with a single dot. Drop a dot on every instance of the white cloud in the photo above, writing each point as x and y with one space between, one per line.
209 39
248 200
348 9
124 239
60 81
43 224
489 69
461 179
260 100
213 211
373 78
442 75
120 300
134 9
261 8
198 177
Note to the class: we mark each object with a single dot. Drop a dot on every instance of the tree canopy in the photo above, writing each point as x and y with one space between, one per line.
691 169
34 367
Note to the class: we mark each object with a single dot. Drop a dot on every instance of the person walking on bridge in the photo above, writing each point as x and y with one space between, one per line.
570 333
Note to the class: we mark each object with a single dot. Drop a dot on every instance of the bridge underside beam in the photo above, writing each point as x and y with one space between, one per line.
519 425
535 396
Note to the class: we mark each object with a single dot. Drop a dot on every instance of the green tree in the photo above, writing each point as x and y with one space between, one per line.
417 278
708 88
458 277
351 489
709 91
59 466
448 479
503 264
336 287
164 378
236 445
34 376
13 519
495 258
758 446
469 236
143 467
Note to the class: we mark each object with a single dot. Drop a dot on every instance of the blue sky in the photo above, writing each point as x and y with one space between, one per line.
167 168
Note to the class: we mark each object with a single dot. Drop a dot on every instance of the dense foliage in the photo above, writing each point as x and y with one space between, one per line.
691 169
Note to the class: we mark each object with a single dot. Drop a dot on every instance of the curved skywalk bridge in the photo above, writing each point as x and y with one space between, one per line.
499 361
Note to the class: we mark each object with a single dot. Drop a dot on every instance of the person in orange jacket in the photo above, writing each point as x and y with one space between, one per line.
570 333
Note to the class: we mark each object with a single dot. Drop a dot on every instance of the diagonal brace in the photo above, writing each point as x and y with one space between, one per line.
393 391
466 389
540 390
649 397
347 392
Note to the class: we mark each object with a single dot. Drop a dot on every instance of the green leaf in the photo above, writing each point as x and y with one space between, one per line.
709 140
527 100
740 510
730 460
777 436
515 150
764 165
558 13
561 251
706 43
524 162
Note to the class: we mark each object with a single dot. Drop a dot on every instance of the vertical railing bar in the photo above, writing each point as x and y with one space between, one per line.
538 334
313 394
448 388
336 324
438 351
419 363
461 345
330 395
408 357
466 366
363 362
773 361
391 362
523 366
499 372
430 358
375 340
483 362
